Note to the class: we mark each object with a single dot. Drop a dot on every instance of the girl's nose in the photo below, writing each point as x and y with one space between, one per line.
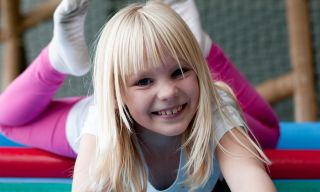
167 91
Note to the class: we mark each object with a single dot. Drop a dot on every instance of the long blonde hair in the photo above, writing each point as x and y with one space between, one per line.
135 34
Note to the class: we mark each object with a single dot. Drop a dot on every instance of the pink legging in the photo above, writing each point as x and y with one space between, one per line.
30 115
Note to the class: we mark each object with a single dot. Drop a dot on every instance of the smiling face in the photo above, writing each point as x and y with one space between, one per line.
163 99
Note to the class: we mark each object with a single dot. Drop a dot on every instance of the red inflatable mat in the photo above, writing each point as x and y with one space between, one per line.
294 164
30 162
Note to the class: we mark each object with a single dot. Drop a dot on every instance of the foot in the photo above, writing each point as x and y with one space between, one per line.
189 13
68 52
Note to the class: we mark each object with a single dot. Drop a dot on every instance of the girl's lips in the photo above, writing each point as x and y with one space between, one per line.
172 112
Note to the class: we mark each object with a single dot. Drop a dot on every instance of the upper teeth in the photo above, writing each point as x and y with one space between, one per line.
170 111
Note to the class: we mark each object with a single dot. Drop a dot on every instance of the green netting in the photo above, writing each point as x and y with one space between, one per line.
315 21
252 32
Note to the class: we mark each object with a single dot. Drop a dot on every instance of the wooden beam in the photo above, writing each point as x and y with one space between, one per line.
277 89
40 13
10 17
301 59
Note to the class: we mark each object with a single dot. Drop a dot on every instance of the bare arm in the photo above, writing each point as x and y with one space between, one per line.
81 169
242 171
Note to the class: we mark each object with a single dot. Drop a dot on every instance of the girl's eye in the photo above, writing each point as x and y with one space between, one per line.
144 82
179 72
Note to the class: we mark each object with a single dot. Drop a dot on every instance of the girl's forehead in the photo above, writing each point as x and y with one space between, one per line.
166 63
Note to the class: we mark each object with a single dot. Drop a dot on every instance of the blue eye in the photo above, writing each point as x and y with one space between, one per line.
179 72
144 82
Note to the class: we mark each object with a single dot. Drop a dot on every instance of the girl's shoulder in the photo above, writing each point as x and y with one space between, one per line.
226 113
90 123
225 94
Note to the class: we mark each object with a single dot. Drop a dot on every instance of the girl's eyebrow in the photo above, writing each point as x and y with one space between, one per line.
183 62
141 74
149 72
136 76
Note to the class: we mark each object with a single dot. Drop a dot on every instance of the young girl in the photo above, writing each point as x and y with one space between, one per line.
160 122
36 120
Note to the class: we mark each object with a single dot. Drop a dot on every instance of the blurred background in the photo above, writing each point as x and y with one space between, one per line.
274 43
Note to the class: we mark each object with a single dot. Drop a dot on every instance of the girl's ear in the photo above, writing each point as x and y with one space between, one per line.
124 100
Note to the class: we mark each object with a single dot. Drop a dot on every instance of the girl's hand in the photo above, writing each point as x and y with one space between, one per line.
241 170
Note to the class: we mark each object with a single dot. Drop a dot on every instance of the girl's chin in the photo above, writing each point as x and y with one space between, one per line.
163 129
173 133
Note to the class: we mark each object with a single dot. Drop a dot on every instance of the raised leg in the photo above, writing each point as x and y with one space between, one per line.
28 113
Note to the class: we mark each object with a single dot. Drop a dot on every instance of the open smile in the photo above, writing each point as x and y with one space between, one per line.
172 112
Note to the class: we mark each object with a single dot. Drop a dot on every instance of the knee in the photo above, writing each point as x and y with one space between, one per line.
11 119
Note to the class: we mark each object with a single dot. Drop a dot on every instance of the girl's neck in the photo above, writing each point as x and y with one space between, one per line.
155 143
161 155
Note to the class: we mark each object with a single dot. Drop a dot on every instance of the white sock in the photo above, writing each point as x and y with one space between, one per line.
189 13
68 52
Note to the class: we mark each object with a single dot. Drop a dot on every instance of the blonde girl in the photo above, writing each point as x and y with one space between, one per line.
161 123
167 153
